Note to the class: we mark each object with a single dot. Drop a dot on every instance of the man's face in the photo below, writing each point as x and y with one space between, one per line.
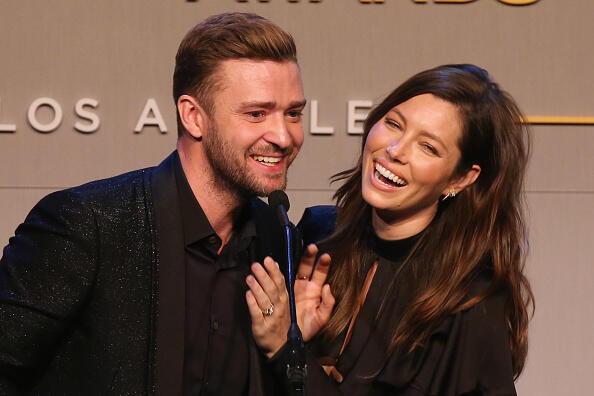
255 131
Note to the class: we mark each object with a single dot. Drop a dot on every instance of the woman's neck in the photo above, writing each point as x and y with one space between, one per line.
392 226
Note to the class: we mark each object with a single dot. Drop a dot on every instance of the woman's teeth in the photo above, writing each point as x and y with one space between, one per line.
388 175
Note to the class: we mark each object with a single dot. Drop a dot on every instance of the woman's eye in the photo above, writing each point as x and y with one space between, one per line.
429 148
392 123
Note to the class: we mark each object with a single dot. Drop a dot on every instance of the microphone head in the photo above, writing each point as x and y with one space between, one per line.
277 198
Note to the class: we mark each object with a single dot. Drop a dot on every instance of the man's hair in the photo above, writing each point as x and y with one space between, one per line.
219 38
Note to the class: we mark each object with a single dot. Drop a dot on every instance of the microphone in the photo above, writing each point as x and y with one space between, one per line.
280 202
296 367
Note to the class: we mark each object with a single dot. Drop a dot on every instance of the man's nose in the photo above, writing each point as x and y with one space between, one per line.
278 133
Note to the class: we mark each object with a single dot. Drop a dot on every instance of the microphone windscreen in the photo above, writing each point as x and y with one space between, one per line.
277 198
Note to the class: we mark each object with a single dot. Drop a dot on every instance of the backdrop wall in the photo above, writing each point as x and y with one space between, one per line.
118 56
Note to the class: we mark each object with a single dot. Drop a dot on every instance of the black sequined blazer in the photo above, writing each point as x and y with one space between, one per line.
92 290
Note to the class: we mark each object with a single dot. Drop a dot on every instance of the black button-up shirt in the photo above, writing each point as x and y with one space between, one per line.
217 325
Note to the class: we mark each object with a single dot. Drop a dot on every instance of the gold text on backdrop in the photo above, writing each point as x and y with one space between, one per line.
290 1
558 120
508 2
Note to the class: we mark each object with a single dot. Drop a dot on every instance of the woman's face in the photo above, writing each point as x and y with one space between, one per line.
409 160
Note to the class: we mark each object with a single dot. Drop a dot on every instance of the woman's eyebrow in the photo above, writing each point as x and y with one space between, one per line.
395 110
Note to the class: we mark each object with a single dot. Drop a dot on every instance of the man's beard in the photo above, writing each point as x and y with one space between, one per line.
230 169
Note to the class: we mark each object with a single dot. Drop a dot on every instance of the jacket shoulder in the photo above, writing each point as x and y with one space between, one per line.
98 189
317 223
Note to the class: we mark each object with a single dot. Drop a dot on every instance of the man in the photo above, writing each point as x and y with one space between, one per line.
136 284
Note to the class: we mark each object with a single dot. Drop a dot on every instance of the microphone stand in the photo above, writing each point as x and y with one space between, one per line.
296 367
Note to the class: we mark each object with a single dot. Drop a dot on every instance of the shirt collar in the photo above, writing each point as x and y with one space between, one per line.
194 221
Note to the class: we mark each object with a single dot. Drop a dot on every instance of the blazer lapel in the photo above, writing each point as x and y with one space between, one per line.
271 237
171 270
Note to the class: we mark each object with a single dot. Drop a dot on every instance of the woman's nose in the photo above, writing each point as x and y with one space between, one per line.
397 151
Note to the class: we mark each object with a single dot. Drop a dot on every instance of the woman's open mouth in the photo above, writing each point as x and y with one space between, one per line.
387 178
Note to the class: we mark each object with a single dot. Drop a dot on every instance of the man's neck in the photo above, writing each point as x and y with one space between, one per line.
221 206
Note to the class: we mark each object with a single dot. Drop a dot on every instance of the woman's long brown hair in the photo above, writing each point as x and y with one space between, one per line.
480 230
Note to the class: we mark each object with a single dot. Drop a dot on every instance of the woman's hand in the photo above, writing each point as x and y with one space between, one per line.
268 303
313 297
268 300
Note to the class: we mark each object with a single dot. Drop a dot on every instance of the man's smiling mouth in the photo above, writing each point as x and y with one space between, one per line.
268 161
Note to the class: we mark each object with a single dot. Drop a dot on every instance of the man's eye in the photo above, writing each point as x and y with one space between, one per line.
295 113
256 114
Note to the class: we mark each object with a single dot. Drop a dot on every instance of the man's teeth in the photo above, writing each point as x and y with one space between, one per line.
389 175
270 161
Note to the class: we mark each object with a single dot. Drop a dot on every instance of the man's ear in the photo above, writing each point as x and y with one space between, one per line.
464 181
192 116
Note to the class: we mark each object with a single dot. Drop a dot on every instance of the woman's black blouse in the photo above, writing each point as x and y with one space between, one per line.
468 354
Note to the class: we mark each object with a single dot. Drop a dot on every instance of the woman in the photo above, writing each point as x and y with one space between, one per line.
428 247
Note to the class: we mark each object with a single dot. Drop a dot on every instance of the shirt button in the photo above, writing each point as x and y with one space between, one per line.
215 325
212 240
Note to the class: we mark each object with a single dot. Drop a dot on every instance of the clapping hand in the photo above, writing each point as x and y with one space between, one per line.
268 303
268 300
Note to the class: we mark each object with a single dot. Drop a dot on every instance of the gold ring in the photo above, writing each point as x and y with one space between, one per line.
269 310
302 277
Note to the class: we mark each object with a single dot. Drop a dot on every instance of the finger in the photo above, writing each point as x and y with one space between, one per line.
261 297
264 279
277 277
321 271
327 304
308 260
254 309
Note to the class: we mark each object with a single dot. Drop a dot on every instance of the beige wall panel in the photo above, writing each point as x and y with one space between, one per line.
562 159
16 204
561 343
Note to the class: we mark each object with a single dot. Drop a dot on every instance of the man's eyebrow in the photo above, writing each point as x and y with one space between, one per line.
255 103
270 105
300 103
